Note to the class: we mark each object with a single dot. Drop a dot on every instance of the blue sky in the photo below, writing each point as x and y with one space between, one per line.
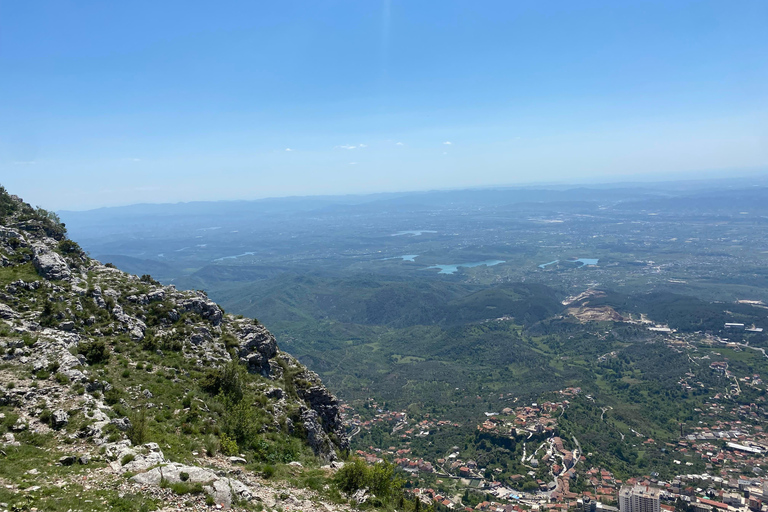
106 103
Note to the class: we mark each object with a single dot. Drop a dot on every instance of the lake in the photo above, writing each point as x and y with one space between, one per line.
235 257
404 257
450 269
412 233
583 261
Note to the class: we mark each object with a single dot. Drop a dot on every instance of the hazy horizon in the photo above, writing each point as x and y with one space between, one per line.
119 104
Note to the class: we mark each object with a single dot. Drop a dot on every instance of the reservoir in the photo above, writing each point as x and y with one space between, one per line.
450 269
583 261
404 257
413 233
235 257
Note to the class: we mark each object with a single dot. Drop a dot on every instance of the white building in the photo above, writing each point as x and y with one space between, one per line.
639 498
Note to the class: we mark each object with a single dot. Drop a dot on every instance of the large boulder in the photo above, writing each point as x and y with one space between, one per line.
59 419
223 490
49 264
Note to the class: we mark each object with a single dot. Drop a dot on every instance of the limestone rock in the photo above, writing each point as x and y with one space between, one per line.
257 347
122 424
203 306
6 312
49 264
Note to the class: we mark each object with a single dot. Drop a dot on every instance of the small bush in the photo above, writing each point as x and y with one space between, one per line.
379 479
268 471
46 416
69 247
112 396
184 476
61 378
137 432
228 445
95 352
146 278
211 445
127 458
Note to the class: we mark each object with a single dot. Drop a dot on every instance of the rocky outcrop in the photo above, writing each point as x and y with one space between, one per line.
203 306
6 313
222 489
50 264
257 347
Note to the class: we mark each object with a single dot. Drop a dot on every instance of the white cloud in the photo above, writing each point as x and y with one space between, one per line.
288 149
352 163
346 147
447 143
399 144
24 162
445 152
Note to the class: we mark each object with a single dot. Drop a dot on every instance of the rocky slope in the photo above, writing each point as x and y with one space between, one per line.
117 392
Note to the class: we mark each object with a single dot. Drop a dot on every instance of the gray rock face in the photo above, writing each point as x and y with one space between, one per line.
6 312
69 325
122 424
49 264
317 439
327 408
257 347
203 306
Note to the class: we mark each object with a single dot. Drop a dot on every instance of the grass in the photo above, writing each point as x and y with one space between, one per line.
25 271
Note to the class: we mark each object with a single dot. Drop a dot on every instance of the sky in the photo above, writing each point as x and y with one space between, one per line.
113 103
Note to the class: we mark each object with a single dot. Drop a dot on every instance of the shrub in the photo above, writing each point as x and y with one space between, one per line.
379 479
146 278
95 352
61 378
227 381
127 458
112 396
228 445
69 247
46 416
212 445
268 471
137 432
184 476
